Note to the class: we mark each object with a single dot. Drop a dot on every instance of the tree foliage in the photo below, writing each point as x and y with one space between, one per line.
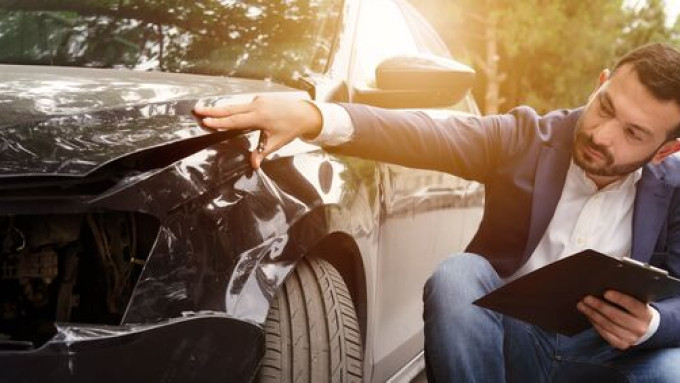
548 53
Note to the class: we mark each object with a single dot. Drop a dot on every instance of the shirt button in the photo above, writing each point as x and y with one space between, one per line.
581 241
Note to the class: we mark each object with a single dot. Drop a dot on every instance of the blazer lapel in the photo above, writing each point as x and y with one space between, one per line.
651 206
551 173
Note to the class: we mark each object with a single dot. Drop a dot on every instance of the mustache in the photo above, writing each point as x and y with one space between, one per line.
587 140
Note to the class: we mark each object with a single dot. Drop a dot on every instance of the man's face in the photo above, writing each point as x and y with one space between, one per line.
623 127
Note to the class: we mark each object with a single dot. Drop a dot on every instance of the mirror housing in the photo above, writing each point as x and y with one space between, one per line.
418 82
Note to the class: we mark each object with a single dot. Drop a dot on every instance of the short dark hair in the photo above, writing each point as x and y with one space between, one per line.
658 68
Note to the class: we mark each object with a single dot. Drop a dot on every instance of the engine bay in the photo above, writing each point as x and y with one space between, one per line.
79 268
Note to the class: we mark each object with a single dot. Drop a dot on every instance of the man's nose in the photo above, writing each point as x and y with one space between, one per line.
605 133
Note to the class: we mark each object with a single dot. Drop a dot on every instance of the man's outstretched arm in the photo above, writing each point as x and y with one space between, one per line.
467 146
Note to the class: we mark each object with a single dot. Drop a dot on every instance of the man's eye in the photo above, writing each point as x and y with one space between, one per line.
632 134
604 111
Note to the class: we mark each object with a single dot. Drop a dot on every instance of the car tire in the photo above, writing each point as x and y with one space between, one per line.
312 333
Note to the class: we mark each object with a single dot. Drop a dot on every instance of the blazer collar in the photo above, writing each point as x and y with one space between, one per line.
551 172
652 201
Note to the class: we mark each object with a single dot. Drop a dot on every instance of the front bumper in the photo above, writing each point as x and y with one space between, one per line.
202 348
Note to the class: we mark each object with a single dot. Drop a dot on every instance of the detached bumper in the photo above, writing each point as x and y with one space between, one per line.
196 349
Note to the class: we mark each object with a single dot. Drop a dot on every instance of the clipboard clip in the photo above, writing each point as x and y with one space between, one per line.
636 263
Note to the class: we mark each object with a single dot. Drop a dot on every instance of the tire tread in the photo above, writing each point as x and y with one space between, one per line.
312 332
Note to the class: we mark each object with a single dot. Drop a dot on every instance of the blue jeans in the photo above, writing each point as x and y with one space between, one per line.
466 343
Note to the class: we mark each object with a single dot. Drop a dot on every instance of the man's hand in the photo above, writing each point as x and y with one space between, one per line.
621 328
280 121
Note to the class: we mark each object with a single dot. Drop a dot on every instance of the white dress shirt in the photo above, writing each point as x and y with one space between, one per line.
585 217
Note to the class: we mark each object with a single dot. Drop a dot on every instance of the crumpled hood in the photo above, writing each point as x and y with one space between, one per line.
57 121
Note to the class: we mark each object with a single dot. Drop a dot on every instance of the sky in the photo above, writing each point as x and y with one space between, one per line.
672 8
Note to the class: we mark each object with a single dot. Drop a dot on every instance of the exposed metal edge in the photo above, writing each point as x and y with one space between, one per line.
410 370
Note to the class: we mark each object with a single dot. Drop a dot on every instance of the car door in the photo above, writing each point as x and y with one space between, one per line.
426 215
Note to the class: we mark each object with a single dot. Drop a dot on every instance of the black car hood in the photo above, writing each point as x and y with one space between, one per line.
57 121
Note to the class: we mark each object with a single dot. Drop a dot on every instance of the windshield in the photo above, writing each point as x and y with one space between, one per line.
265 39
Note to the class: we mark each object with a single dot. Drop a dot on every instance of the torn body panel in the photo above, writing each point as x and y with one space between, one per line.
175 351
227 238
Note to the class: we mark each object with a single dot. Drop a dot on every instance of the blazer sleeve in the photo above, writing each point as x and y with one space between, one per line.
464 145
668 333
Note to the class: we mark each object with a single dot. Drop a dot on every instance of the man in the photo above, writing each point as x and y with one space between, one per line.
598 177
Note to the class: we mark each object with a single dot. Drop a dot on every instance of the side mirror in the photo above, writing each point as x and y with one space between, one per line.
418 82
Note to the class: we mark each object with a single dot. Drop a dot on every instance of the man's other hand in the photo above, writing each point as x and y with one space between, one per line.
622 323
279 120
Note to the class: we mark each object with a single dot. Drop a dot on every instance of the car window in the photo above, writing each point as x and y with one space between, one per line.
389 28
425 36
279 40
393 27
382 33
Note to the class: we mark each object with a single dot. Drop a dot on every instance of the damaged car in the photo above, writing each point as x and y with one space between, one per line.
137 246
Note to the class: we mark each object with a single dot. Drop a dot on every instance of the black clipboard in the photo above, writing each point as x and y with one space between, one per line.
547 297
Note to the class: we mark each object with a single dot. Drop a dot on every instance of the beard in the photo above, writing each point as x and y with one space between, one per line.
592 166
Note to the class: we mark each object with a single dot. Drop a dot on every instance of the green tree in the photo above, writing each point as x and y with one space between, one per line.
644 25
544 53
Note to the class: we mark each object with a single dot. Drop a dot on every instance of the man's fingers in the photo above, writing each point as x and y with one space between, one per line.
280 118
222 111
609 318
596 316
266 146
613 339
236 121
256 159
634 316
629 303
613 313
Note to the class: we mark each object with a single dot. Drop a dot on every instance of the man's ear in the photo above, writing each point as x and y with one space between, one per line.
604 76
666 150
